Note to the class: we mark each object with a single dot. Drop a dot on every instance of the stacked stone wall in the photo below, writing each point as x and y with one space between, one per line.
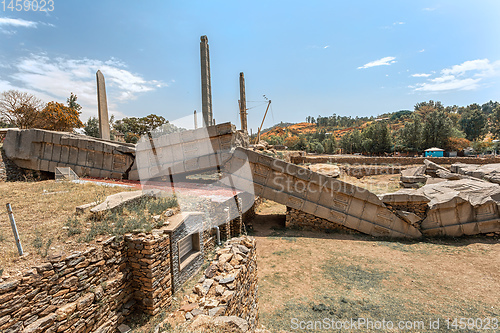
90 291
304 221
391 160
86 291
149 261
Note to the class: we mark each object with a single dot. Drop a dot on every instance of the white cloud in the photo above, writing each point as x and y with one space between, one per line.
327 46
466 76
422 50
55 79
421 75
4 21
482 65
429 9
398 23
380 62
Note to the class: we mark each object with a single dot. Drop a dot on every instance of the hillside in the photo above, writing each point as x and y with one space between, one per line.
430 125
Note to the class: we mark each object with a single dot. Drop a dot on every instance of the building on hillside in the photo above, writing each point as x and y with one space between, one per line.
434 152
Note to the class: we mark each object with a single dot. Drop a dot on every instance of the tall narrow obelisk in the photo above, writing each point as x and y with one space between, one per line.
206 87
102 104
243 103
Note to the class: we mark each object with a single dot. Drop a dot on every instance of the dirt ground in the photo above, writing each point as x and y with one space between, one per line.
310 276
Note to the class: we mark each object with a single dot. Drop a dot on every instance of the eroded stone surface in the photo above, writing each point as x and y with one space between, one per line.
489 172
330 170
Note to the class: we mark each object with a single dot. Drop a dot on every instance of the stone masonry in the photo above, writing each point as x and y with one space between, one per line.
87 291
316 194
149 261
304 221
45 150
227 291
183 225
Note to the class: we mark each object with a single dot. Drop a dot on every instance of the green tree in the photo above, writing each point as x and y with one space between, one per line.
377 138
91 127
133 128
72 104
473 122
330 145
489 107
352 142
495 122
410 136
437 130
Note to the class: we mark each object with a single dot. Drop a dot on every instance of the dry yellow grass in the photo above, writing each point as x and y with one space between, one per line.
41 210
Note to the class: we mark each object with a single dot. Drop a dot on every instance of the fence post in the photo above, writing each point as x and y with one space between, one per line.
14 230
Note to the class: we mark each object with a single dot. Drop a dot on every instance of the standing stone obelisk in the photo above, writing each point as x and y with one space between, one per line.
243 103
102 105
206 87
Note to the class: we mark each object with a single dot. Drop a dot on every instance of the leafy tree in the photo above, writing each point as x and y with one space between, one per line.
58 117
480 146
489 107
402 114
473 122
410 136
133 128
291 141
91 127
72 103
424 108
377 138
455 143
274 140
329 145
352 142
495 122
317 147
19 108
437 129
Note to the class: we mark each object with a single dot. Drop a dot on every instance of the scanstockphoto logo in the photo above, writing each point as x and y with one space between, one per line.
169 155
364 324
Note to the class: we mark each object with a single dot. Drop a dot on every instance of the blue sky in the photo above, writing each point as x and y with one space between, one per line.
355 58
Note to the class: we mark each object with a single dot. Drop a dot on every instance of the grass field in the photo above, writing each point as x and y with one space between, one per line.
311 276
43 212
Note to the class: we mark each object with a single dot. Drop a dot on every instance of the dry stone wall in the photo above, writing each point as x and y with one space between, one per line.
90 291
149 261
304 221
86 291
353 160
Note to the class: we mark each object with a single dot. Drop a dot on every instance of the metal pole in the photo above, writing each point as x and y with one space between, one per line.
14 230
265 114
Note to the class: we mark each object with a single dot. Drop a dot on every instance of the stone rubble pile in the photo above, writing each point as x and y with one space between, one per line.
431 173
489 172
225 295
453 202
